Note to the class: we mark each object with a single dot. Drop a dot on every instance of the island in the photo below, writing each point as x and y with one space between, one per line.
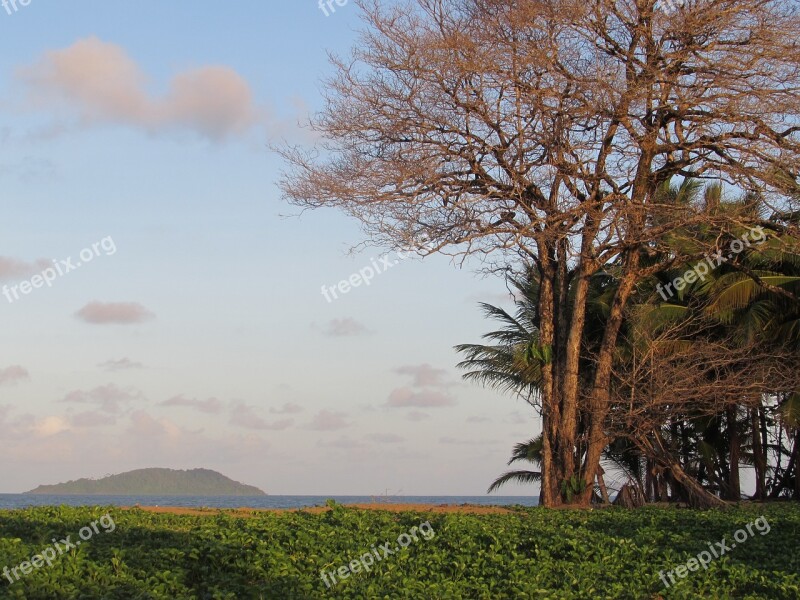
154 482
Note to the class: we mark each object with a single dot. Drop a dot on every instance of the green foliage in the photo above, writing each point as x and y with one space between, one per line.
572 487
530 553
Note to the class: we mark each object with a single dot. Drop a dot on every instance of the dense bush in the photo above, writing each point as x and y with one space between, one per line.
532 553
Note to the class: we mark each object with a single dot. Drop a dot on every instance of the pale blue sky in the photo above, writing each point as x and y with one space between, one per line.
192 207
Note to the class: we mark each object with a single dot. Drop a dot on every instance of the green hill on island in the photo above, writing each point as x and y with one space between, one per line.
154 482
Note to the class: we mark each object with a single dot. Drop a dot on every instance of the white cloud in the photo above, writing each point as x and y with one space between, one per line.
424 375
209 405
120 365
51 426
109 398
345 327
97 82
114 313
406 397
13 374
243 415
327 420
14 268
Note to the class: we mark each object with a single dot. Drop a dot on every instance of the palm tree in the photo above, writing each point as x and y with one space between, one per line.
512 362
752 299
530 451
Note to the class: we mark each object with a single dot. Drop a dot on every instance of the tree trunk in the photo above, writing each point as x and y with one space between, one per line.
546 498
790 479
550 402
759 459
569 414
650 484
797 464
697 495
600 396
629 496
602 483
734 486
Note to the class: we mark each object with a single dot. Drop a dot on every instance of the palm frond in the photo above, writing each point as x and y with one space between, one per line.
790 410
523 477
734 291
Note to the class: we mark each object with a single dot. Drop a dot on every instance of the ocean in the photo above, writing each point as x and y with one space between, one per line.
10 501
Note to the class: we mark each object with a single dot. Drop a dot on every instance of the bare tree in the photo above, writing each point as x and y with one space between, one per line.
543 129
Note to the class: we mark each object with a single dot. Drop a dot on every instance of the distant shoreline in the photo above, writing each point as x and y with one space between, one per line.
244 511
141 495
252 503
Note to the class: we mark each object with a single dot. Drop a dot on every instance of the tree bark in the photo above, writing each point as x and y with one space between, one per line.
600 396
601 482
797 464
695 494
734 486
759 458
550 402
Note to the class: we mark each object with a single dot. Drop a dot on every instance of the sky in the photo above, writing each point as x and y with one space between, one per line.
163 306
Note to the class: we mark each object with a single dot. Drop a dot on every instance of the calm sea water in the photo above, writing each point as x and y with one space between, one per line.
25 500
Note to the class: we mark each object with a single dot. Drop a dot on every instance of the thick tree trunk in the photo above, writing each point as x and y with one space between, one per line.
697 495
600 398
571 389
550 402
566 359
694 493
547 497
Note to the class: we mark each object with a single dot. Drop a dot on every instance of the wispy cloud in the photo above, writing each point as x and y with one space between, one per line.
50 426
478 420
14 268
109 398
91 419
517 418
406 397
243 415
122 364
114 313
290 408
209 405
140 439
345 327
327 420
424 375
13 374
97 82
31 169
